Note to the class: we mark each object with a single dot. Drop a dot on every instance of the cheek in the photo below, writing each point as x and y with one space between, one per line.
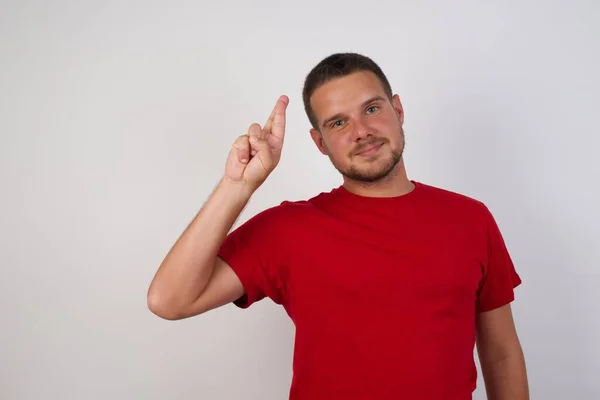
340 145
388 124
389 128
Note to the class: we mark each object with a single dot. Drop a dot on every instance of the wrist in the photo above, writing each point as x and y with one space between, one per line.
241 191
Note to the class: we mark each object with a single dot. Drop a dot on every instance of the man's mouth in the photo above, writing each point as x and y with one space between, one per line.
370 149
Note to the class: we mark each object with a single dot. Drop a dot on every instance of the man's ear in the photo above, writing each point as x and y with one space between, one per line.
318 139
398 107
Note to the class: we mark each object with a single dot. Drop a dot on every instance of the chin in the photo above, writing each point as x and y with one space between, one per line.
370 173
369 170
367 176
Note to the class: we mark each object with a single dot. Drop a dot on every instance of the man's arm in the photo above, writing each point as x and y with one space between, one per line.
501 356
192 279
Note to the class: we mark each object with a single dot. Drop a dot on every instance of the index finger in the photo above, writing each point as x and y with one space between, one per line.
276 123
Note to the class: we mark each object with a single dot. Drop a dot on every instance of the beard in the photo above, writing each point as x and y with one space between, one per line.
376 172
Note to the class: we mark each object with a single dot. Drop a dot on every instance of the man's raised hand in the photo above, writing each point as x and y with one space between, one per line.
255 154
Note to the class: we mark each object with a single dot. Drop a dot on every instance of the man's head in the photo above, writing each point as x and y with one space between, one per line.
356 120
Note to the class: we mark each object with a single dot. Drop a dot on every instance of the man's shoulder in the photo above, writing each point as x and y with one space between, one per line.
288 210
452 200
448 194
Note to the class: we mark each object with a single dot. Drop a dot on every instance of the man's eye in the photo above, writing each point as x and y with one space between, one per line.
372 109
338 123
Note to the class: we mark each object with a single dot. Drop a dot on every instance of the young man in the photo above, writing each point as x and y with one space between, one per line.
390 282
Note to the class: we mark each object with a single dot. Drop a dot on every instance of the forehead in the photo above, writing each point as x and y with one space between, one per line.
345 94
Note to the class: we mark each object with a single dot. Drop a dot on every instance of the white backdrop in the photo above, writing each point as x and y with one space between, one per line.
116 118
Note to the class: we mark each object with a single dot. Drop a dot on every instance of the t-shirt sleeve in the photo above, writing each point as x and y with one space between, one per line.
499 274
255 252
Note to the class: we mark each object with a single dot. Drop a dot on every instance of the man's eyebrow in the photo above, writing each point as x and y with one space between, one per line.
373 99
364 104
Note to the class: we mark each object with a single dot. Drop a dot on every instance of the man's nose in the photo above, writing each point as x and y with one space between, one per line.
361 129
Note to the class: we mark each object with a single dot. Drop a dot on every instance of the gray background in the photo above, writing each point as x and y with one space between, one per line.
115 121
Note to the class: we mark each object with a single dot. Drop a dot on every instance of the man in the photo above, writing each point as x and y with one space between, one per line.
390 282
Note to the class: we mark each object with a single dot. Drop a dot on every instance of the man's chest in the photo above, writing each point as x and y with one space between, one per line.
434 269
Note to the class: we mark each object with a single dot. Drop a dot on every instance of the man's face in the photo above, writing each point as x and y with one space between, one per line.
360 129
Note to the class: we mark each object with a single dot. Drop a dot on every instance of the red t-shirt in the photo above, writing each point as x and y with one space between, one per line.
383 292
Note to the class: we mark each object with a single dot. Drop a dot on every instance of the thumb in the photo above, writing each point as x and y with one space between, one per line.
243 149
261 152
238 158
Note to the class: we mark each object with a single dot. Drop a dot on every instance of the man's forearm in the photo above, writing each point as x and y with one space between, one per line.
186 269
506 378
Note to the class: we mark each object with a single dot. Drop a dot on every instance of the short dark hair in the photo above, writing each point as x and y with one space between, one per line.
336 66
